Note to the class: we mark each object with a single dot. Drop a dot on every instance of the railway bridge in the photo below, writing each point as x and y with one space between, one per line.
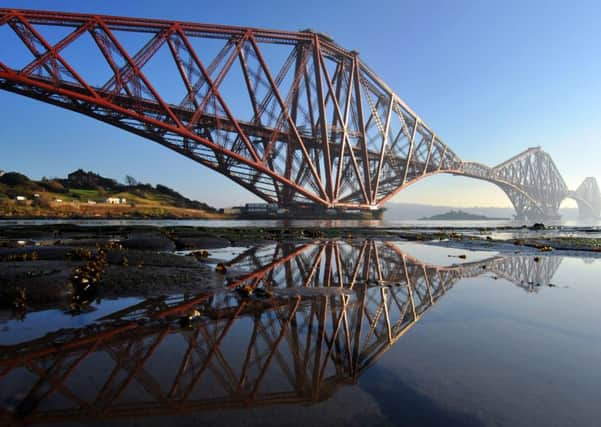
290 116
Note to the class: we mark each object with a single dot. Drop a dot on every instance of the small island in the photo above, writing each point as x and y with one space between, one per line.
458 215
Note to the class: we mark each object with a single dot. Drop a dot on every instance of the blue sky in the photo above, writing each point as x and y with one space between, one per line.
490 78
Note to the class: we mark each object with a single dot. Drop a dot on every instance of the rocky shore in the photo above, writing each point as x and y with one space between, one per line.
67 266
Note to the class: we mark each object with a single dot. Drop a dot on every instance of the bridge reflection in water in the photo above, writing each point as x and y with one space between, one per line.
335 308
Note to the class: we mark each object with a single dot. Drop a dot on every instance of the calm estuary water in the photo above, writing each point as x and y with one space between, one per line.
343 333
500 229
301 223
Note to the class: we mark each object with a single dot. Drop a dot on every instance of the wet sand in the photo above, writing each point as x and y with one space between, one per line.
68 265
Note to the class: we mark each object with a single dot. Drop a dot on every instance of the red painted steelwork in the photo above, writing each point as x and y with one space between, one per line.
290 116
312 132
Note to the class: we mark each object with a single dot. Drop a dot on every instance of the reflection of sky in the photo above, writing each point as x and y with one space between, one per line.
440 256
508 357
488 91
39 323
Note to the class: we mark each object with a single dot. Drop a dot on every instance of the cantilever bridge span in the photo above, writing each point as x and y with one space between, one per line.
290 116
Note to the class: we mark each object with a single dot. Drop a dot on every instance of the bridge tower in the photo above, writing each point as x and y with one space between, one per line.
588 197
538 188
530 179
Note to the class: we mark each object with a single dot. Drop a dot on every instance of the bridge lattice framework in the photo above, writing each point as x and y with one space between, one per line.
290 116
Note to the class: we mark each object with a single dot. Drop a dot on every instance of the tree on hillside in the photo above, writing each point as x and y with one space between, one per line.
131 181
54 186
90 180
14 178
41 202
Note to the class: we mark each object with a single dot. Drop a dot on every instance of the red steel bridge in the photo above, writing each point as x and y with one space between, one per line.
290 116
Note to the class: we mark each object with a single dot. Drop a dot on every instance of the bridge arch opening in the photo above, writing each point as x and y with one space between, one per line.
460 193
568 203
569 209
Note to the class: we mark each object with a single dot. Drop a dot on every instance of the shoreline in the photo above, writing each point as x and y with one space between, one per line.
46 262
546 239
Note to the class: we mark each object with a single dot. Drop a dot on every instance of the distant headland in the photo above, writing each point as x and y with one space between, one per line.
458 215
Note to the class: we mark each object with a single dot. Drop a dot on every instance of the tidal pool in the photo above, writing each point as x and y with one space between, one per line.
368 332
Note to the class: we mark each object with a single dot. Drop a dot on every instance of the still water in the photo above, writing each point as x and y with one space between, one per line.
498 229
378 223
362 333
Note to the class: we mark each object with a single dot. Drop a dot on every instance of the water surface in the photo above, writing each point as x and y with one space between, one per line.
351 333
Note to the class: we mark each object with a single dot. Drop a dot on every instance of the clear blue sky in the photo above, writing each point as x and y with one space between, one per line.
490 77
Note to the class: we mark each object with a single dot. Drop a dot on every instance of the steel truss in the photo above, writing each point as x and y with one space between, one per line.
588 197
336 308
535 186
290 116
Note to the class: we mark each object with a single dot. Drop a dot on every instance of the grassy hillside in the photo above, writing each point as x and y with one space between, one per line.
85 194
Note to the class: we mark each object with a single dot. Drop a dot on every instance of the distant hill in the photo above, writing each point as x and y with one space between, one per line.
84 190
414 211
459 215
